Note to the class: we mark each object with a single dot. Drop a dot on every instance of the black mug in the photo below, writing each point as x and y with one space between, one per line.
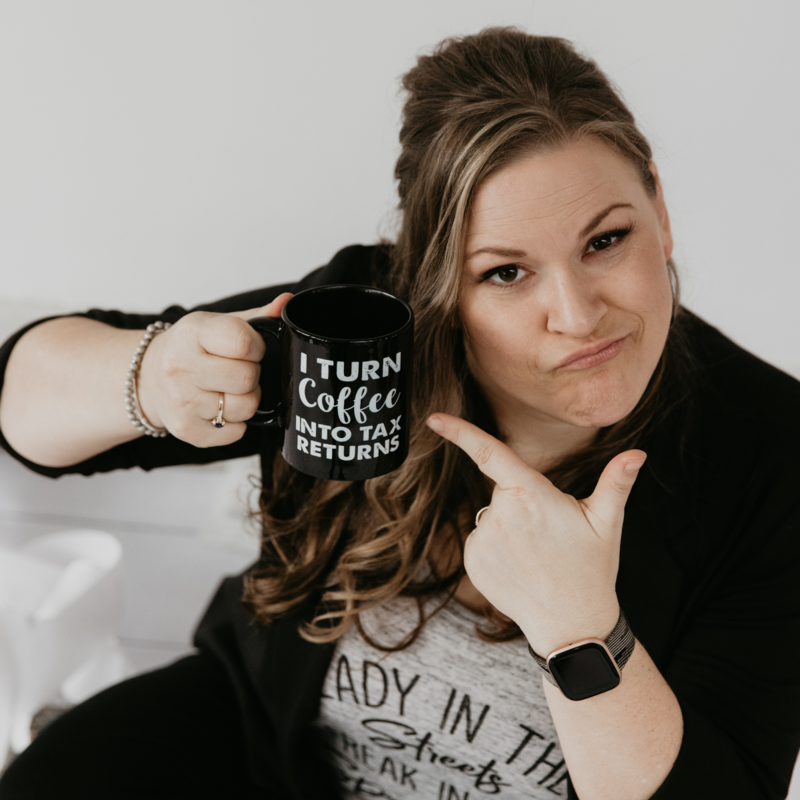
345 375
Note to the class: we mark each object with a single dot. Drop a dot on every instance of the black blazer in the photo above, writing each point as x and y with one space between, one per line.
709 573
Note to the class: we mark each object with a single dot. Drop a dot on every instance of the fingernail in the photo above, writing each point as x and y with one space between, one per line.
632 467
435 423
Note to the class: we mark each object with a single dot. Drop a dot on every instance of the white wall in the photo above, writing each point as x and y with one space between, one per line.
159 151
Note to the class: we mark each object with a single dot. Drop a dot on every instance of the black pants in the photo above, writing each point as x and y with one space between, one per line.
172 733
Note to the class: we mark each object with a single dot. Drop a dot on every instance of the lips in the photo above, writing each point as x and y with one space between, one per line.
595 354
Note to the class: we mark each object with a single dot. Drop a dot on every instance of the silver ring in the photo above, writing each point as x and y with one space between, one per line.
218 421
479 515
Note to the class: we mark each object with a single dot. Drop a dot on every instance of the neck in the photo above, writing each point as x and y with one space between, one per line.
542 444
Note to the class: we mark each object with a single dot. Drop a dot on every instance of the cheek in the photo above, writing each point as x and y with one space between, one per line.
485 347
498 342
642 291
502 358
656 302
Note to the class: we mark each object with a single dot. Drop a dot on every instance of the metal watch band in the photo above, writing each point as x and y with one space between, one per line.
620 644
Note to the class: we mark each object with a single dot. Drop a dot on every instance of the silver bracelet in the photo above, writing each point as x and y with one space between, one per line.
135 415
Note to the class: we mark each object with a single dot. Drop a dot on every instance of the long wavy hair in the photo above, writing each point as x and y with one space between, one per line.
474 105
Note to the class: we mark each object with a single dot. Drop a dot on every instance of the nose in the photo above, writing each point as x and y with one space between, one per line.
573 305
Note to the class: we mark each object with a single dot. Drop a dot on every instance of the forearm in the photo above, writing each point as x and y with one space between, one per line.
62 399
621 744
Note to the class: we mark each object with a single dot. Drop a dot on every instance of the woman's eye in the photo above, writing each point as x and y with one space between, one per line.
605 240
504 274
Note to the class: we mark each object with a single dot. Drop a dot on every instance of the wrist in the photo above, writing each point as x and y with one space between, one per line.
147 385
595 625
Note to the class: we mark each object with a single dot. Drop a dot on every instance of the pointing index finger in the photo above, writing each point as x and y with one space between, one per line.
494 459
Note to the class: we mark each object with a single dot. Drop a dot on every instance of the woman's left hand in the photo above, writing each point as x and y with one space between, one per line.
539 556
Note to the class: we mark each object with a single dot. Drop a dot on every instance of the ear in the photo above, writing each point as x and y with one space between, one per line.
663 214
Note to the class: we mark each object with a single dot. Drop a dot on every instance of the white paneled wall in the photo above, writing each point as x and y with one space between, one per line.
182 529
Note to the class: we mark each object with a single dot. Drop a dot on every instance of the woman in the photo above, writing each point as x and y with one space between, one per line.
399 652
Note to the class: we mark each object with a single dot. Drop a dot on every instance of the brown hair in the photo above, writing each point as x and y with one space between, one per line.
473 105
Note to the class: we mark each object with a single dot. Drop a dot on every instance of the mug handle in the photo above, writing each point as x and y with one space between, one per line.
268 418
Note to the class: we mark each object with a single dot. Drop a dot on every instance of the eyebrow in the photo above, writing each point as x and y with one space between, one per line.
505 252
508 252
595 221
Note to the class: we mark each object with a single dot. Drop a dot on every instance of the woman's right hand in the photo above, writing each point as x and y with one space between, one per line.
185 368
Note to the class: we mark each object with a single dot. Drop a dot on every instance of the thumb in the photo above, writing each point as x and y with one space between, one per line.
607 502
272 309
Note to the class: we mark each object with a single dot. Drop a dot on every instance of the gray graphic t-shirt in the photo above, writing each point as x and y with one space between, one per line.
449 718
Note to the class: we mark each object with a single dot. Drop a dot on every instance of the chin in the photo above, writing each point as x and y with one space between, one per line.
604 406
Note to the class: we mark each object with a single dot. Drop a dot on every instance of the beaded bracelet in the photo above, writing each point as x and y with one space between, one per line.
135 415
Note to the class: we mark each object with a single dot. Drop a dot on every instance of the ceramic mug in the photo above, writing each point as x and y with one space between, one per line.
345 375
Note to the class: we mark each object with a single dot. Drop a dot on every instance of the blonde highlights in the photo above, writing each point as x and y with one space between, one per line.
474 105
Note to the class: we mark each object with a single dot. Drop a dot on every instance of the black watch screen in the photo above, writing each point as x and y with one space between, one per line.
584 671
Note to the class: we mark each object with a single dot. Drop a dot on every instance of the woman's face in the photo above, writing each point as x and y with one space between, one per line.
566 256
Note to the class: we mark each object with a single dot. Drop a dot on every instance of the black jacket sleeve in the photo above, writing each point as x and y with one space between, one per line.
720 559
354 264
735 674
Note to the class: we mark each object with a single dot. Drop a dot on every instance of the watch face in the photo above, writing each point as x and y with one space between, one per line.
584 670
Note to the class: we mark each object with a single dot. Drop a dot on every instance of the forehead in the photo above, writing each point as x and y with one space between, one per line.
556 189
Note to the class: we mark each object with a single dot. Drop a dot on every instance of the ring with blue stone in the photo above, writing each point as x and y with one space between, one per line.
218 421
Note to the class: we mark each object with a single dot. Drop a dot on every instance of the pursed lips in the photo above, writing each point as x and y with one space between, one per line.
594 354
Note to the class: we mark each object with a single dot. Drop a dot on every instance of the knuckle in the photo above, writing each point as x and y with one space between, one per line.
251 372
183 430
224 335
188 328
239 378
172 365
177 399
196 316
620 489
191 320
250 404
483 455
240 338
172 371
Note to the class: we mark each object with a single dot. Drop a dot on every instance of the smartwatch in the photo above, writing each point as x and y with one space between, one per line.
591 666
